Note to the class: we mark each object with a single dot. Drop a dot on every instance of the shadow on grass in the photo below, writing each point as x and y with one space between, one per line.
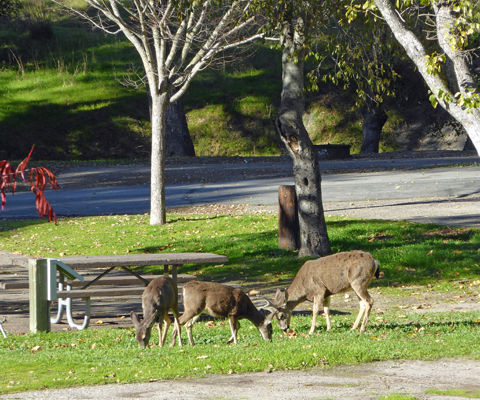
76 130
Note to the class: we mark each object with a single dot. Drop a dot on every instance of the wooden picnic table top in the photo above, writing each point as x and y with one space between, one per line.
131 260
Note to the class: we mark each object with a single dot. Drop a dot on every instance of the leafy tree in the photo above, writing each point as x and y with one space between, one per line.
356 50
446 70
38 178
175 41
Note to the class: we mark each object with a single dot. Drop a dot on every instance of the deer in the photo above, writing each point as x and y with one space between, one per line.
321 278
221 301
160 296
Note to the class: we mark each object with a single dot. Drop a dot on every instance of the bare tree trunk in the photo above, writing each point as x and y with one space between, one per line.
374 118
306 169
178 140
157 182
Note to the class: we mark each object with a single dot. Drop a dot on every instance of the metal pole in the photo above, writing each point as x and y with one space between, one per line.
1 327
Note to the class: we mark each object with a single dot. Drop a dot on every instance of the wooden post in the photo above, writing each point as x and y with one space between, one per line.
39 305
288 225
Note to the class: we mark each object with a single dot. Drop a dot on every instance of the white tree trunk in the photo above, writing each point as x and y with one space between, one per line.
157 177
460 80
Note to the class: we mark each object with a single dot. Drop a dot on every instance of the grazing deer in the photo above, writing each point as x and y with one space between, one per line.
319 279
159 296
221 301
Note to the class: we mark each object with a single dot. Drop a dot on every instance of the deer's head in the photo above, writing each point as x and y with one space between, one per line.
265 327
283 314
143 329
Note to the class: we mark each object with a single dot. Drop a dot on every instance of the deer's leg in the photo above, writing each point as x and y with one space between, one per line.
188 318
174 336
188 327
234 325
159 327
359 317
317 303
366 304
326 310
177 328
166 324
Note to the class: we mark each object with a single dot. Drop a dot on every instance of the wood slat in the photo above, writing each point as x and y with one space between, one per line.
106 280
110 292
141 260
96 292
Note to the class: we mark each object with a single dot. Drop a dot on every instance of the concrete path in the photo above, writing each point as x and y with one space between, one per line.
349 382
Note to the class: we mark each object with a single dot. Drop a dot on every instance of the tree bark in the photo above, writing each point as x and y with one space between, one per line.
178 140
374 118
313 231
157 180
458 78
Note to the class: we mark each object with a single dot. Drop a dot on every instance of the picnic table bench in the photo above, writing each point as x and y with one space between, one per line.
55 279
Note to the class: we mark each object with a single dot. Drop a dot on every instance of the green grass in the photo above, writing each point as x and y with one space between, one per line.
92 357
409 253
64 95
443 259
464 393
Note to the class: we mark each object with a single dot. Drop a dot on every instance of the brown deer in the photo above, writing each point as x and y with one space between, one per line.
221 301
159 296
319 279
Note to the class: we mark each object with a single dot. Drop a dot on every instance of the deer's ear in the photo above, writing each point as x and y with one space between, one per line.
134 318
269 319
281 297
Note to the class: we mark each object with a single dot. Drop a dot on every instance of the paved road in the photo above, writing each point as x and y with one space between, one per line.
458 182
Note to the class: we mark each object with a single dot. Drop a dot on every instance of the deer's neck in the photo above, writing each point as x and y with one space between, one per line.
255 317
295 296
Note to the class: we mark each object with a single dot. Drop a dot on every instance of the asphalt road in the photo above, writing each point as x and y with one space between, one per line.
455 182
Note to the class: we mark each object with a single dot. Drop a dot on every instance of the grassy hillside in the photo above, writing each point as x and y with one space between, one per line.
61 90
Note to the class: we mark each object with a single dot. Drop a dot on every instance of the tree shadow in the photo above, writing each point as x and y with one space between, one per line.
89 130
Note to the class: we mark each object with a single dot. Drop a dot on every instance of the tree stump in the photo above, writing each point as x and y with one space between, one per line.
288 225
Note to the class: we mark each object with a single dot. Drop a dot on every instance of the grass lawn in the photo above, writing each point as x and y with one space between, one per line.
409 254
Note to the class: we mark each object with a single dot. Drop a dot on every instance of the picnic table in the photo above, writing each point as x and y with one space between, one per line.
51 280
